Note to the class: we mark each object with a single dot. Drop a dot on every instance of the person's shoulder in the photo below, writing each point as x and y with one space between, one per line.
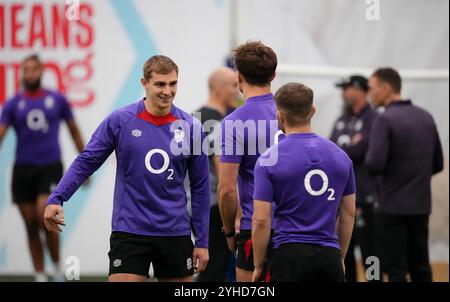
423 112
183 115
54 93
325 142
266 156
206 113
333 147
14 99
125 113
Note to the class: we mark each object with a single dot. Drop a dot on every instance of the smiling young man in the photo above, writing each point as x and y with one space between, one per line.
150 221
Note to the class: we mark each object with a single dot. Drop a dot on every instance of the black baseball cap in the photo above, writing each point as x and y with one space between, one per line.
356 81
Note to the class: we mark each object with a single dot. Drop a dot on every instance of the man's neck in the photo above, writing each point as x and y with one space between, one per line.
252 91
152 109
298 129
393 98
215 103
359 106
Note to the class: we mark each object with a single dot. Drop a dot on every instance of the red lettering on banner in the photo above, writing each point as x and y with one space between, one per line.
2 84
60 26
37 30
15 26
2 26
28 26
16 68
88 11
45 25
71 79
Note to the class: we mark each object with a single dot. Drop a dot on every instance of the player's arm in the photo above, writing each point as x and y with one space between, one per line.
377 152
260 235
76 135
359 145
237 220
227 195
200 200
261 220
3 129
345 222
438 158
67 115
5 119
101 145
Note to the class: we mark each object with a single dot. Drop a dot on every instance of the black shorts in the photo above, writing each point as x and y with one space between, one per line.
297 262
244 252
30 181
132 254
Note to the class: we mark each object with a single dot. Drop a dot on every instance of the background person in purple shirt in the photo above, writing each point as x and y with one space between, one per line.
35 114
313 189
156 145
241 147
405 150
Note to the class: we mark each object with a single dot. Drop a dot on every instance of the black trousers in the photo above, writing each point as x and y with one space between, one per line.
404 247
219 254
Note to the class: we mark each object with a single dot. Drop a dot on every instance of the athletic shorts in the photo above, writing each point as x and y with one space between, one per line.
132 254
297 262
244 253
29 181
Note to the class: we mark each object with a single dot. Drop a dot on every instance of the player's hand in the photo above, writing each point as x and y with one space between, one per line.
53 218
232 245
237 225
200 258
257 272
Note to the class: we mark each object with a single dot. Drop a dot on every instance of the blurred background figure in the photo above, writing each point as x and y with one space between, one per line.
406 151
223 94
351 133
35 114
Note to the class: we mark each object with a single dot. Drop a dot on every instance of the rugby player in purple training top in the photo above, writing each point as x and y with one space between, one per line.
155 144
35 114
246 134
313 190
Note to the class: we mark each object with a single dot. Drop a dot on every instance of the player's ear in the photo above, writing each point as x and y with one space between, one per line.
273 76
240 78
280 117
144 83
313 111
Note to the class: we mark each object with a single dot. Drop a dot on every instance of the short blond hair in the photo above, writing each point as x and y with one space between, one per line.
159 64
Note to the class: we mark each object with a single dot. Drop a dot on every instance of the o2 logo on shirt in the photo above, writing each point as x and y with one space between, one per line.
324 188
36 120
165 165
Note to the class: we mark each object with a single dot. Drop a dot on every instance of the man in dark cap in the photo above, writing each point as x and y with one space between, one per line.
351 133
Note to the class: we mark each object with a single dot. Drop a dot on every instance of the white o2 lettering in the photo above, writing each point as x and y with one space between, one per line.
331 196
165 165
170 177
36 120
324 187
